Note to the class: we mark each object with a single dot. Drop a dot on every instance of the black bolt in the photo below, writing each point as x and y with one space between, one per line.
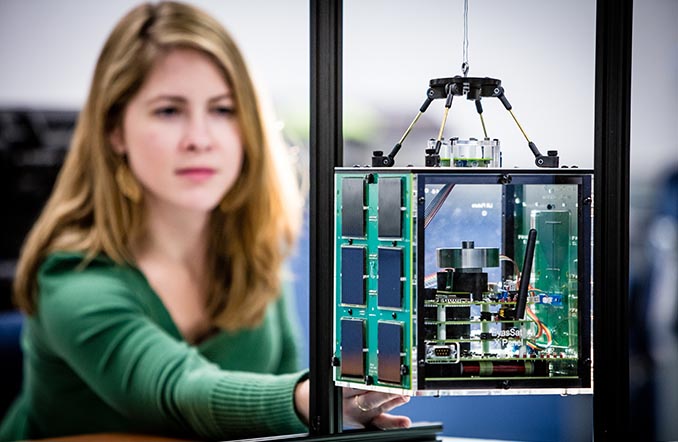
350 241
506 384
335 361
350 311
422 200
505 179
368 380
588 200
404 370
422 363
393 315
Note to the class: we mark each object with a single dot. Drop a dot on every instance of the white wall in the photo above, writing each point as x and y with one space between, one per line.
543 51
654 94
48 48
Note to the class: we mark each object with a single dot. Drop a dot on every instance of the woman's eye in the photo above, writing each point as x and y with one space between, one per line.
167 111
224 110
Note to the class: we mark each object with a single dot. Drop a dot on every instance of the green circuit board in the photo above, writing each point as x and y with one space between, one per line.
374 279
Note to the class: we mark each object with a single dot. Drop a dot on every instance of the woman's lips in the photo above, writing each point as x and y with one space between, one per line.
197 174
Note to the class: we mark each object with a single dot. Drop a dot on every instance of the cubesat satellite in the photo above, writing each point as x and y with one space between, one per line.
462 277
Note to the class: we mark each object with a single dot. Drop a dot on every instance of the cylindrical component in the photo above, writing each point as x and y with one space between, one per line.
474 153
473 282
491 149
445 155
442 332
444 280
485 326
488 368
467 258
468 263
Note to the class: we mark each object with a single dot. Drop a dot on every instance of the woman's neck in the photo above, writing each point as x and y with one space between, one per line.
174 236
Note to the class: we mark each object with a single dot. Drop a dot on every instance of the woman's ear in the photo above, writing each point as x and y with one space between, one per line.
116 140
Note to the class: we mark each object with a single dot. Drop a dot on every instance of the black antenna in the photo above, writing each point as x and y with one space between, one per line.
525 274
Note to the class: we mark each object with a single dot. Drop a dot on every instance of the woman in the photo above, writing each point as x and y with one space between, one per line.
152 279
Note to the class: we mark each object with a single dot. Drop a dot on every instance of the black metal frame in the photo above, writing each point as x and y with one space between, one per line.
614 20
326 152
611 190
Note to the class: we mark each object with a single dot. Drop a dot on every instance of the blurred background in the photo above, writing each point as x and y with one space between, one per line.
544 53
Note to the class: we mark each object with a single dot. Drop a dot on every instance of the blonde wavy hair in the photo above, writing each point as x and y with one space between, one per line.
254 227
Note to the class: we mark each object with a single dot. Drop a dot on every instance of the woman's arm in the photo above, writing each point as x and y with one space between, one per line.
104 334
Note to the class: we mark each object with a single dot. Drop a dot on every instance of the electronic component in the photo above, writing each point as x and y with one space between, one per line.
353 275
353 342
352 211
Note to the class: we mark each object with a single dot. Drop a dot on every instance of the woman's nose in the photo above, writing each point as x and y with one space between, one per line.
197 136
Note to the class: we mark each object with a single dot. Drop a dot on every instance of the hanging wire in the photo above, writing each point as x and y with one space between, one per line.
464 64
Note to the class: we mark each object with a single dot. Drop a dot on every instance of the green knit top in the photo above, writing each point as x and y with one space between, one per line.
102 354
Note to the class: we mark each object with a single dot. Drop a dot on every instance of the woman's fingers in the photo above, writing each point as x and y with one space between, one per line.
374 400
387 421
393 403
370 409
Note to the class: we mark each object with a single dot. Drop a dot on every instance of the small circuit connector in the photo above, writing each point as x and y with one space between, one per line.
444 352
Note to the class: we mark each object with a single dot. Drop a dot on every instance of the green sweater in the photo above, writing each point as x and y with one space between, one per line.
102 354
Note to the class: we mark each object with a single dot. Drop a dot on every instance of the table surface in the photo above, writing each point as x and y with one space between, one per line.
126 437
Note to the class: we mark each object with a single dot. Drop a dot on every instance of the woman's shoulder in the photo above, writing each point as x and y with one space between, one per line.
78 294
67 261
74 273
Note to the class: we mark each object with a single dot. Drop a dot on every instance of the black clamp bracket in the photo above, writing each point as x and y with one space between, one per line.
475 88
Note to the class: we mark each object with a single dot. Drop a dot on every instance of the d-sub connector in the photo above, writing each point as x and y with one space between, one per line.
442 352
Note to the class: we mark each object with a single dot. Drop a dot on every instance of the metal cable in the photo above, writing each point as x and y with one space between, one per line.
464 64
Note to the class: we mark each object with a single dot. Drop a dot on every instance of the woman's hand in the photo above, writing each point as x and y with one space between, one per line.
361 408
370 409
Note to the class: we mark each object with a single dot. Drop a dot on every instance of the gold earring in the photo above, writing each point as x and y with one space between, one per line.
127 184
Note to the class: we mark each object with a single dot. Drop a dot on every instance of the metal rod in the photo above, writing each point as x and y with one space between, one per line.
482 121
442 126
407 132
519 126
479 109
448 105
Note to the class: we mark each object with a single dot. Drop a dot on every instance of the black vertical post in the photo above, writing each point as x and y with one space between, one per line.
614 19
326 152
